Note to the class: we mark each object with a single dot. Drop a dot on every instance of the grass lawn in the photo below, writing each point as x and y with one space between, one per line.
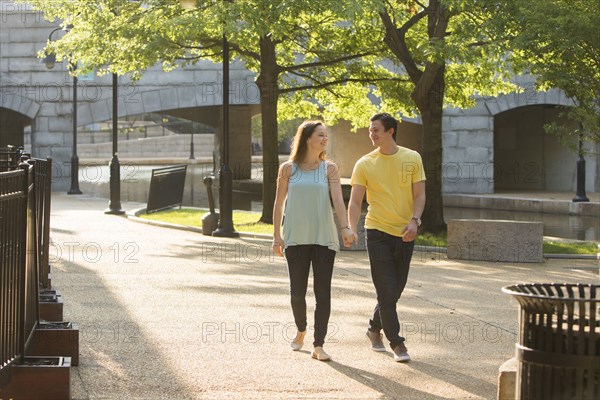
243 221
247 221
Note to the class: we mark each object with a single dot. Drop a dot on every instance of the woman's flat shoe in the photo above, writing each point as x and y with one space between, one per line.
319 354
298 341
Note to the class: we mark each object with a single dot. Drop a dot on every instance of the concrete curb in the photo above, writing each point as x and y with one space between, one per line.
133 215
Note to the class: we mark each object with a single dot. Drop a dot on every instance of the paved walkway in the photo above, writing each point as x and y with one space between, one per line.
172 314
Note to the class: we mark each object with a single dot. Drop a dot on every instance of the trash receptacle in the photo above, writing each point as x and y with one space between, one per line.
558 345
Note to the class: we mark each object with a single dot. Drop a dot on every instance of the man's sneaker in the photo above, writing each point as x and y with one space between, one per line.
376 341
401 353
298 341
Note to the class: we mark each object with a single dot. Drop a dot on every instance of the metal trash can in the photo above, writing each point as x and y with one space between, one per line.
558 345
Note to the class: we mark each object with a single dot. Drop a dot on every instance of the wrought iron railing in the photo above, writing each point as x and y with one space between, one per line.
24 235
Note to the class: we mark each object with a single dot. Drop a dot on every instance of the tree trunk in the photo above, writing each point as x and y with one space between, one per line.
267 83
432 112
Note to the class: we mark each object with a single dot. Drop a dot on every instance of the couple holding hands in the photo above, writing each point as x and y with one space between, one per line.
393 179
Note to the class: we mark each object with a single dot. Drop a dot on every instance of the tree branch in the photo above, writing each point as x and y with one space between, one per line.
247 53
421 4
396 42
295 67
439 25
322 85
411 22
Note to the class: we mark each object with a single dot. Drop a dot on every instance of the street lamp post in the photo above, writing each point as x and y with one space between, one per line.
114 204
580 195
225 228
50 61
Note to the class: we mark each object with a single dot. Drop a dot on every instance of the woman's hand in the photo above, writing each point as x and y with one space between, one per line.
278 246
348 236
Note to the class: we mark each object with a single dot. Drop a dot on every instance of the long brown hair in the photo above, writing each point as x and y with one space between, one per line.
298 147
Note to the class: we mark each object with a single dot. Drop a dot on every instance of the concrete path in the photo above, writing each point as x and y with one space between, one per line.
172 314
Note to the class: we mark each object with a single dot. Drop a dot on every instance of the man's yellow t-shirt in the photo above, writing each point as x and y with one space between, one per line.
388 180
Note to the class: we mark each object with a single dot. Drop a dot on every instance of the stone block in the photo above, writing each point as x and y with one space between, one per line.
479 109
586 209
475 138
18 49
134 105
102 110
556 207
461 200
450 139
186 96
529 205
507 380
471 123
451 154
45 139
168 99
59 124
207 77
479 154
151 101
208 93
495 240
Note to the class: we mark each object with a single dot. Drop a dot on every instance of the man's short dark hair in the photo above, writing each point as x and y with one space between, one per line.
387 121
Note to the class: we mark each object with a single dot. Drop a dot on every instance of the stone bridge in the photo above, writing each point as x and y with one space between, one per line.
36 99
499 144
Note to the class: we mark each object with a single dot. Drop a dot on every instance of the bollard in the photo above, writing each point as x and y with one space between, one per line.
210 221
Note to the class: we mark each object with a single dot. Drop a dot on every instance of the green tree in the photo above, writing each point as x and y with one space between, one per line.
558 41
443 54
292 46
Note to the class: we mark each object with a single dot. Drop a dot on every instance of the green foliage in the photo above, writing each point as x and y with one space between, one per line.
286 128
429 239
559 42
552 247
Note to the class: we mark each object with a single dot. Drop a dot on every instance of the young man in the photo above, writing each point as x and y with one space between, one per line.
394 180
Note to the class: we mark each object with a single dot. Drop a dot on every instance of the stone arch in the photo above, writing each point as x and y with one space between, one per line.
174 98
527 97
13 101
526 157
12 126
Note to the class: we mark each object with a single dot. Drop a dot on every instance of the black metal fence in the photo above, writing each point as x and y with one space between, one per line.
10 157
24 242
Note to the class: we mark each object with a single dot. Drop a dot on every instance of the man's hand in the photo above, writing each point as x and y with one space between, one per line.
409 233
348 237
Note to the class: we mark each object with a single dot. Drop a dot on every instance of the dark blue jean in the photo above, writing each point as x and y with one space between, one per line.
299 259
390 260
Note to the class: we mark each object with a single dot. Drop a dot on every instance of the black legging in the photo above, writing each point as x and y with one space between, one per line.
299 259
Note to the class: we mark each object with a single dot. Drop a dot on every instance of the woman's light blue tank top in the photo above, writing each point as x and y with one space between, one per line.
308 212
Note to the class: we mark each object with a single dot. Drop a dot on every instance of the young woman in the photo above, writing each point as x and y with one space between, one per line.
309 233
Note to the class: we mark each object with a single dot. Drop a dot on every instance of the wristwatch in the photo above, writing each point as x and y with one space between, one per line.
417 220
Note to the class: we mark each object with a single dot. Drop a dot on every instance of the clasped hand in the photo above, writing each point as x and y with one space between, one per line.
349 237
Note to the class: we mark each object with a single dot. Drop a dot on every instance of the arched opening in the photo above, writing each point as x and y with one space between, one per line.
528 158
12 128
